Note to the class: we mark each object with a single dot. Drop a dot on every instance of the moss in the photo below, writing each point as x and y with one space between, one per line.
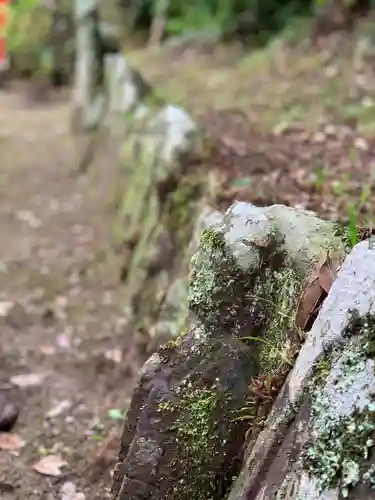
197 440
180 208
323 368
279 293
227 296
219 289
171 344
213 277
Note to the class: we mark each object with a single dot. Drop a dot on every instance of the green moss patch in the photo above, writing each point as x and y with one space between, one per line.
259 306
197 438
279 294
181 206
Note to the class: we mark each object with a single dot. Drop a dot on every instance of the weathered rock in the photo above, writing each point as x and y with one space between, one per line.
126 88
184 433
167 446
319 438
173 314
257 270
157 207
163 172
88 101
9 410
101 72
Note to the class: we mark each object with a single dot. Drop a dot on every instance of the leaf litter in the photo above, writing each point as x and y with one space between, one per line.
50 465
11 442
28 380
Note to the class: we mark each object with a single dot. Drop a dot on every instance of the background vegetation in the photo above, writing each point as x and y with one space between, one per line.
252 20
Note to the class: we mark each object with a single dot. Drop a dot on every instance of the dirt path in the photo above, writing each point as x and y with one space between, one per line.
66 319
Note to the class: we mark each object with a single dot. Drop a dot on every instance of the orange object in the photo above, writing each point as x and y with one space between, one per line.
3 44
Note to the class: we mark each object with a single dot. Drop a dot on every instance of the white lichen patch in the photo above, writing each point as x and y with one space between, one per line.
350 382
309 490
200 336
342 422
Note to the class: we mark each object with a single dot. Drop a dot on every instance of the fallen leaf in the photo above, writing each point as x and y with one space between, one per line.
68 491
240 148
60 408
29 218
50 465
10 442
361 143
327 274
28 379
47 350
5 307
114 355
308 303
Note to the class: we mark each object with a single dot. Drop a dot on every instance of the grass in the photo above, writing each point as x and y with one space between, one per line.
278 83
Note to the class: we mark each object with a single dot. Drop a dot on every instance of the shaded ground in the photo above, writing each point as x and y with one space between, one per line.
297 121
291 126
66 320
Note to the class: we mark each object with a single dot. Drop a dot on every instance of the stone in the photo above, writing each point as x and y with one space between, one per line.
318 439
172 446
10 408
126 87
172 319
249 268
156 216
178 130
184 433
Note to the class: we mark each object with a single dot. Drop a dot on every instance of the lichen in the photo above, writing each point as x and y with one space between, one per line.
147 210
197 439
343 442
337 456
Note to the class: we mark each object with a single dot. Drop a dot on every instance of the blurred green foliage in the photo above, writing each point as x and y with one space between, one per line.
254 18
29 32
31 21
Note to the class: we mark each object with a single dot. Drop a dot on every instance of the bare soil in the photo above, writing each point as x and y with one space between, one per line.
66 317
